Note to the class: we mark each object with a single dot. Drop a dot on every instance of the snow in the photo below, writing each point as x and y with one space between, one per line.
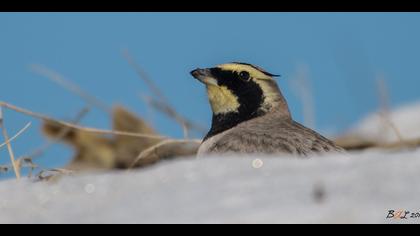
374 127
356 188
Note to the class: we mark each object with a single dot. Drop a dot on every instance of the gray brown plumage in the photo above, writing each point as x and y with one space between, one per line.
250 115
270 133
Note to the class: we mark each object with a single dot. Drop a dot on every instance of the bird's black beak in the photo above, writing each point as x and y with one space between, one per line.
197 73
204 75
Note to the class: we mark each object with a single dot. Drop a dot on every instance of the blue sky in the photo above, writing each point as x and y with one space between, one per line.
343 55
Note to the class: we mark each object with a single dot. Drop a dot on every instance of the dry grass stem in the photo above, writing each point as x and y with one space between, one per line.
172 113
358 143
16 135
73 88
166 149
52 174
41 150
160 103
16 167
143 75
71 125
384 99
394 128
303 90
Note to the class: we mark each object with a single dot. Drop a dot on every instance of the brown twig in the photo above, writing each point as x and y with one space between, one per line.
160 102
401 144
9 146
353 142
48 174
383 93
143 75
170 112
71 125
27 162
303 91
70 86
41 150
383 96
166 149
24 162
388 122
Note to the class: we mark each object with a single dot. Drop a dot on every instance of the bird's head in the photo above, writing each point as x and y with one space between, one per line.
242 89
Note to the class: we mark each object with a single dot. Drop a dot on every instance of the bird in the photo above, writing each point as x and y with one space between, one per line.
251 115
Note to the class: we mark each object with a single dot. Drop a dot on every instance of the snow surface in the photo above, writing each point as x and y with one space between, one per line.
374 127
356 188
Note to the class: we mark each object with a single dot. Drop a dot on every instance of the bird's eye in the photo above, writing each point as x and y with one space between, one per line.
244 75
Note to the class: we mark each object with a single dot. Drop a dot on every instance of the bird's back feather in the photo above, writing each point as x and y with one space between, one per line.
271 133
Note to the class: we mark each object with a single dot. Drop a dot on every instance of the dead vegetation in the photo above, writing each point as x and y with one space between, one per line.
159 101
353 142
132 142
301 87
9 146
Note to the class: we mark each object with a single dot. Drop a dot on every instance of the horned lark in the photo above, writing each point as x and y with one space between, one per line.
250 114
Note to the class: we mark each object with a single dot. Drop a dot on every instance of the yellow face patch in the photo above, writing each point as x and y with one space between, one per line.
253 72
222 100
